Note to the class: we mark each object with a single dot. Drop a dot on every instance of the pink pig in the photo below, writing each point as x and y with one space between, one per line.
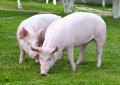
77 29
31 33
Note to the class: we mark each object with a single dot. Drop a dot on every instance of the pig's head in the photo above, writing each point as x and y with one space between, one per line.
31 39
47 58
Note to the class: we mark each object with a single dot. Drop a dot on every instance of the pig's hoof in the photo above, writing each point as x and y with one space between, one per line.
74 68
98 65
36 61
78 62
21 62
60 58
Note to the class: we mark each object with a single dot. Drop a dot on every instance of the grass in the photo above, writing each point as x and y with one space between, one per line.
11 73
27 5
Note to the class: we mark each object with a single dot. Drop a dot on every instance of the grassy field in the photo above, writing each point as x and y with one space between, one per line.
12 73
35 6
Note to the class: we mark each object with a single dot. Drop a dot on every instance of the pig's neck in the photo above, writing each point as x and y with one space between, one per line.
49 44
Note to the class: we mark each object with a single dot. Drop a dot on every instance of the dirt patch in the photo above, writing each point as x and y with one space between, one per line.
41 12
99 12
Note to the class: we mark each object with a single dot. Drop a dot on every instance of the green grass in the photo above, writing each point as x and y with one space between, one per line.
36 6
11 73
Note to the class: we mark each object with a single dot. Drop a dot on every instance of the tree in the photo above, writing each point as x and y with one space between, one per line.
116 9
68 4
19 4
54 2
103 3
84 1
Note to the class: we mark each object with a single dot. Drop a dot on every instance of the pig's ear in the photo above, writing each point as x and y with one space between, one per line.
39 33
54 50
23 33
37 49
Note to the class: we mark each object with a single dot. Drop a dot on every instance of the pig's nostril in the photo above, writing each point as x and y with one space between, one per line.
37 56
43 74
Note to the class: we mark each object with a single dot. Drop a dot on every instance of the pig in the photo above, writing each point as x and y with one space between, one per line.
31 32
76 29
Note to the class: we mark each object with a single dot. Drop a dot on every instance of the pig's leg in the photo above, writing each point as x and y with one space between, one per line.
37 61
83 50
60 55
22 54
100 44
71 58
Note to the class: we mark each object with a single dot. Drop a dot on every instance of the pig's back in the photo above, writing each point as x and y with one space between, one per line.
39 21
77 28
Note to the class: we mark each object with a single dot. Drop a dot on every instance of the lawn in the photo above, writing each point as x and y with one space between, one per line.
12 73
35 6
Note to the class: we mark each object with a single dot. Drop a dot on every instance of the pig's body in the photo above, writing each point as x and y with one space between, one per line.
76 29
31 32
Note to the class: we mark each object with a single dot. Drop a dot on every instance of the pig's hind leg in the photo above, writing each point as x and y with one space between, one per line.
100 43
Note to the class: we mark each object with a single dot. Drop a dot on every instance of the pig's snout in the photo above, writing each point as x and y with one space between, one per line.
43 74
44 70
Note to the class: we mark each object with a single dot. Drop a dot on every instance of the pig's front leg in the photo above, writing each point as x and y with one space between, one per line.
83 50
60 55
71 58
37 60
22 54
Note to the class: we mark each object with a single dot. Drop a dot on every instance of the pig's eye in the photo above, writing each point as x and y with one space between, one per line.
28 43
49 59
